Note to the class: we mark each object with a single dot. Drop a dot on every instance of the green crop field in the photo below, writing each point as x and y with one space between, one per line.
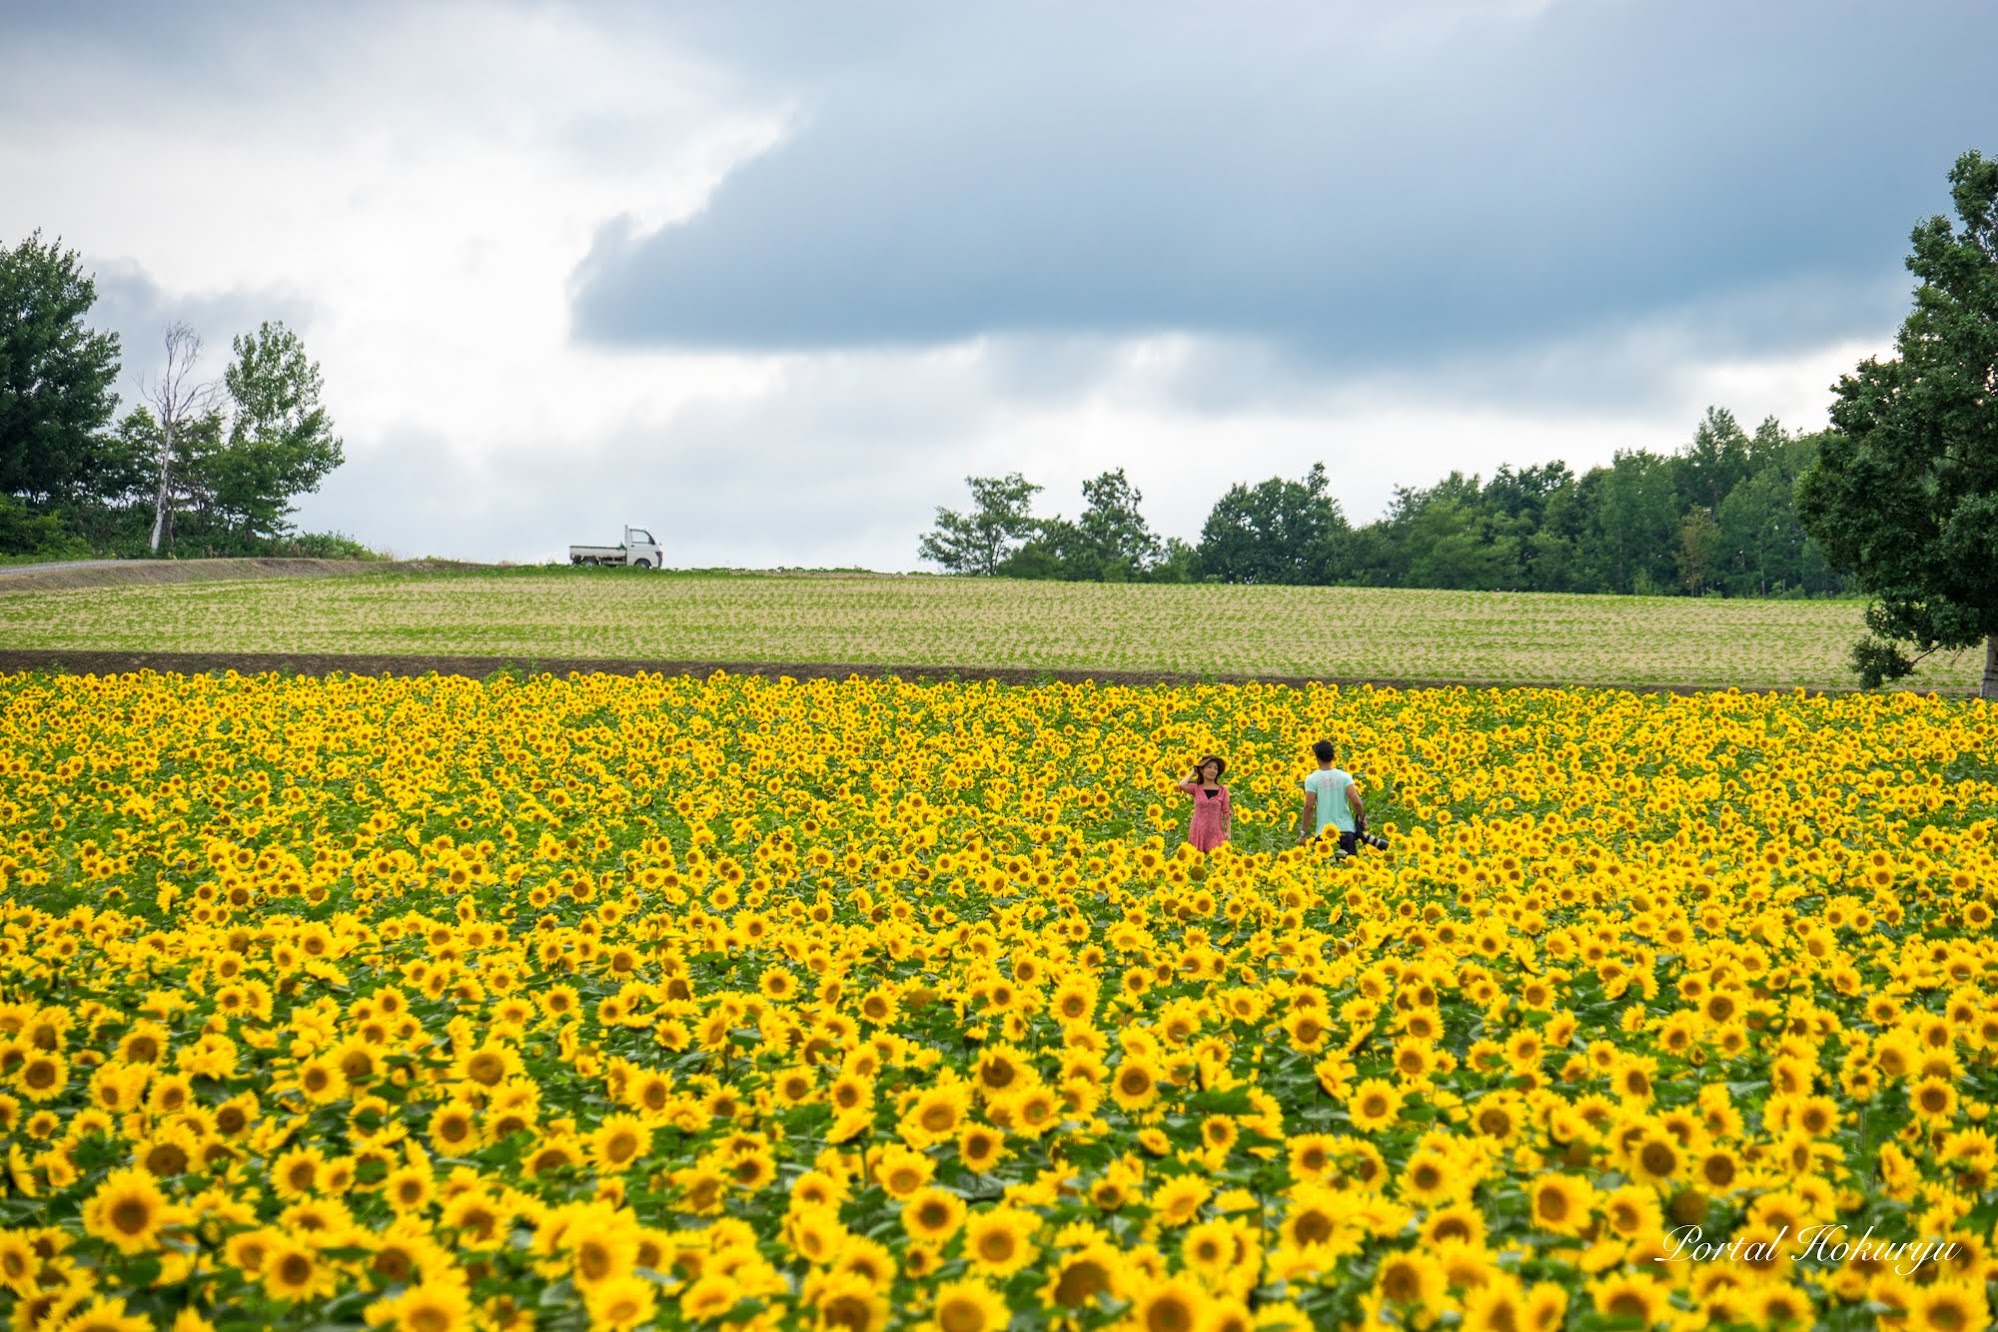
1335 633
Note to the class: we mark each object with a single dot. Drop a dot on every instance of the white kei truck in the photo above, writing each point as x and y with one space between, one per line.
638 550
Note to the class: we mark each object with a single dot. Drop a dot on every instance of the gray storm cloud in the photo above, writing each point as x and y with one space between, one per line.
1378 189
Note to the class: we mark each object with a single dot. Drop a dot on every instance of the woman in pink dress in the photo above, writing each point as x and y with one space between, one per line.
1212 813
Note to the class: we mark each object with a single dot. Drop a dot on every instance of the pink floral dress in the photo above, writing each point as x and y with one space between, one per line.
1211 816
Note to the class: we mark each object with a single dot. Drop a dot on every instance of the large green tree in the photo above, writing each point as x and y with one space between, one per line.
1634 539
1277 531
1452 535
281 442
56 376
1904 492
1119 540
1109 543
1720 457
980 541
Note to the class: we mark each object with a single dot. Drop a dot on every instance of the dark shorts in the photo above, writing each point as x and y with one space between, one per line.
1348 842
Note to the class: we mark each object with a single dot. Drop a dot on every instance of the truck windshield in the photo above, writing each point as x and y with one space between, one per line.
644 536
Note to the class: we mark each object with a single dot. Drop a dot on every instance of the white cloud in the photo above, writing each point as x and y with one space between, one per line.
421 179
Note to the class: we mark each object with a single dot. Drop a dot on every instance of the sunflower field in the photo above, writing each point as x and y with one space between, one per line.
739 1004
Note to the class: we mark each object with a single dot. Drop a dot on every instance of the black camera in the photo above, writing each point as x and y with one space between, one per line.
1361 837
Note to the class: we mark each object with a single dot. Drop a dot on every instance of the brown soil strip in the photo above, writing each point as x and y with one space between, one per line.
90 662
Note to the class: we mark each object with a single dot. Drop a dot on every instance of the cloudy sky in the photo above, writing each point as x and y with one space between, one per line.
774 278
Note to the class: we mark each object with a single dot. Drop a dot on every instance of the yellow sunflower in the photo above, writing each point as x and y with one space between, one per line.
129 1211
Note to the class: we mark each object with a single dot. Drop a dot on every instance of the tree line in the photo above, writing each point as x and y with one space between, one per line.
1715 517
194 466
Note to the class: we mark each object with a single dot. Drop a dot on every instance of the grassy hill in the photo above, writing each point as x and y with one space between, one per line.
885 620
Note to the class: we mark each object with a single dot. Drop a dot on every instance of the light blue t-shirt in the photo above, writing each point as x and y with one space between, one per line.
1334 811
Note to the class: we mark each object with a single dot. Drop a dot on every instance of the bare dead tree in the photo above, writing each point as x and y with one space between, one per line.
178 401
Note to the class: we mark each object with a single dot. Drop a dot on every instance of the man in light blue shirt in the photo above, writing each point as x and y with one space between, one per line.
1331 800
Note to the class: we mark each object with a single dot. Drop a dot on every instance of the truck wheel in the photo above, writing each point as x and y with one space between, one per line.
641 564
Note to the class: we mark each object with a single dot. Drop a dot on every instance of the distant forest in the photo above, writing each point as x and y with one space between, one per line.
1715 517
